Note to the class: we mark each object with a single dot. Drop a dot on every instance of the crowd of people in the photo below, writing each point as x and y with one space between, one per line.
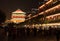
27 31
12 32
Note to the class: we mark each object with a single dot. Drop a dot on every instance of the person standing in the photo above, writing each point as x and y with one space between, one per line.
28 31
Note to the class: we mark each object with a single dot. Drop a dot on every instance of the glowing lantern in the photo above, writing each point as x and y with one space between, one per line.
18 16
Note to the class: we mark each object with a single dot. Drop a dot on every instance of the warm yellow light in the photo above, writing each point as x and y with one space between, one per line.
53 15
41 13
47 3
17 21
35 15
51 9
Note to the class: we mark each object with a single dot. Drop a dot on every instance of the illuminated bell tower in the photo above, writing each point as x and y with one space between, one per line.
18 16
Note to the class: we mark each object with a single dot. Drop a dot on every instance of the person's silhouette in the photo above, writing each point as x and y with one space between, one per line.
28 31
35 31
57 34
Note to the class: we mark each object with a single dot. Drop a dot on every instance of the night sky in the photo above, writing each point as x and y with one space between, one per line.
9 6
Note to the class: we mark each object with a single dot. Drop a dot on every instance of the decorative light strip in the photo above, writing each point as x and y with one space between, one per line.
47 3
53 15
51 9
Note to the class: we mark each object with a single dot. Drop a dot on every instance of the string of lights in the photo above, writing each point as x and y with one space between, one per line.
49 10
